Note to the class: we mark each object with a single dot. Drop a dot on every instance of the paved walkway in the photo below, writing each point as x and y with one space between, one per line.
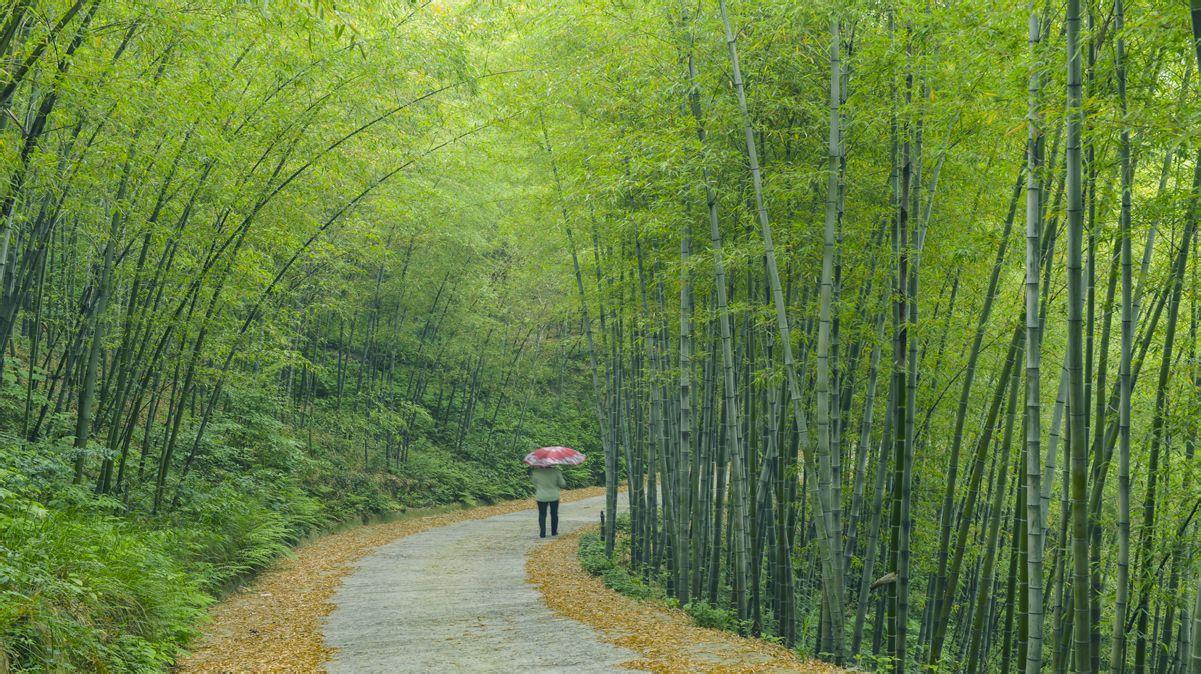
455 599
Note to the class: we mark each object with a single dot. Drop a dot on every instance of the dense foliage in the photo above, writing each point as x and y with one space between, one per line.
267 266
855 410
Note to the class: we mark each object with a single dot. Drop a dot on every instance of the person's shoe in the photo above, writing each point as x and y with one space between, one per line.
541 535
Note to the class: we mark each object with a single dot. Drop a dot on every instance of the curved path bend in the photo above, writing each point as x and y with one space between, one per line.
455 598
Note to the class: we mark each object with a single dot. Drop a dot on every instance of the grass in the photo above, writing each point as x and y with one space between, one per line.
85 590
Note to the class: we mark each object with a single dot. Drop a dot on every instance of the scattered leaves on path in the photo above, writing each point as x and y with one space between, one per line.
273 624
666 638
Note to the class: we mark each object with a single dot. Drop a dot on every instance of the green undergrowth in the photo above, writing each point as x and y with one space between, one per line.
616 574
101 583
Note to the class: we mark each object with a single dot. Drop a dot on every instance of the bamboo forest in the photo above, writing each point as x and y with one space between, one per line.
878 320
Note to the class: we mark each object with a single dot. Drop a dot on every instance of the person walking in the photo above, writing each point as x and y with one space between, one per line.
547 483
548 480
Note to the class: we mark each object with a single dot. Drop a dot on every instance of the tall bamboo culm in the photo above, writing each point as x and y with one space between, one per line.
1033 419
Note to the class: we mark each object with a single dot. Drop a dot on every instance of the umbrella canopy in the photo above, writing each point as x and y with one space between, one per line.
554 456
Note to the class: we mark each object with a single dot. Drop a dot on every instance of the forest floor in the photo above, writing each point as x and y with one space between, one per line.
274 624
469 590
666 639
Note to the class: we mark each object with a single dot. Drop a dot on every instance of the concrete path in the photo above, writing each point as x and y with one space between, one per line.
455 599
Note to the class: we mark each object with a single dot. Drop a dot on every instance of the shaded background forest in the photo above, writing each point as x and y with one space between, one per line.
270 266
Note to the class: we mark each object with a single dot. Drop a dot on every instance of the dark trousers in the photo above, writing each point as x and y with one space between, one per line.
553 506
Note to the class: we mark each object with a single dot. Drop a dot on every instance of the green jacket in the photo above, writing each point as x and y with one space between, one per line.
547 483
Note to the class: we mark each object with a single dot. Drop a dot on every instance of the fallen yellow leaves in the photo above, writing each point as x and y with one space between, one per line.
667 639
273 624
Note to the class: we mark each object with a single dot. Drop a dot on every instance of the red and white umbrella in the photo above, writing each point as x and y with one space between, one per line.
554 456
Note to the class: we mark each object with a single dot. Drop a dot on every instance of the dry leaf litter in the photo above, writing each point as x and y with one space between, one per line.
667 638
273 624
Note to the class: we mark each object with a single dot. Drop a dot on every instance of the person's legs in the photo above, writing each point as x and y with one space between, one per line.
554 518
542 518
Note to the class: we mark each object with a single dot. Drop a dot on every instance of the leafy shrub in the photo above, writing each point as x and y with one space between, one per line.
346 494
231 532
592 557
592 554
620 580
707 615
623 522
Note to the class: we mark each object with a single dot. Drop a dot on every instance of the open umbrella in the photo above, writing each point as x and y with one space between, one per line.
554 456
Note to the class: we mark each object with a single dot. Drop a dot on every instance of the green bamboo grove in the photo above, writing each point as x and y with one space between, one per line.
269 266
862 192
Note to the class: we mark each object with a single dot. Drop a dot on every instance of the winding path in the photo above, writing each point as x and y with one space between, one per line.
455 598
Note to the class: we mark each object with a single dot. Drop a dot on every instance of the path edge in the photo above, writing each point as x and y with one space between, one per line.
275 621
